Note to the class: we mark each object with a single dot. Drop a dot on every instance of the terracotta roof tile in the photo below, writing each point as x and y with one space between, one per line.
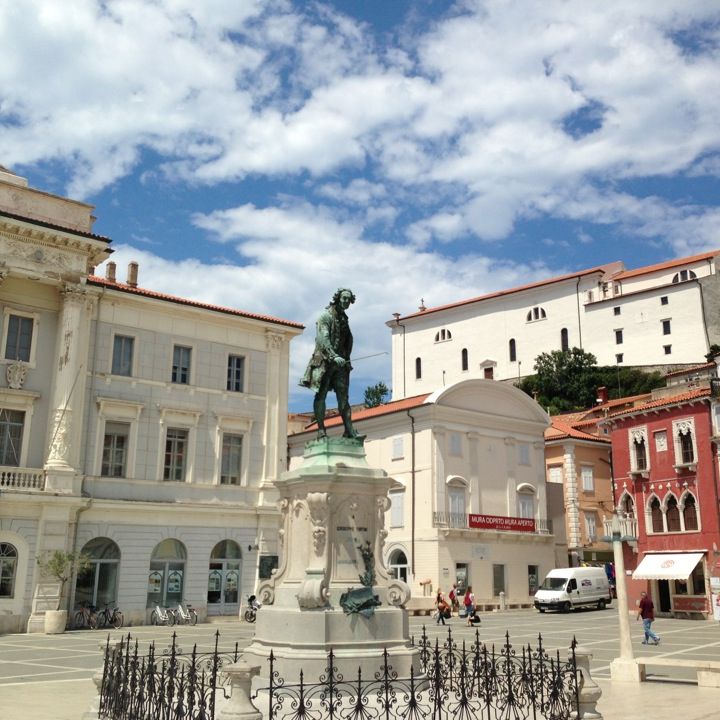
559 430
666 265
693 368
122 287
367 413
609 267
687 396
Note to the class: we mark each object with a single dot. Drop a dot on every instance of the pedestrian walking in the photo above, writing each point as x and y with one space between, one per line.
469 602
452 597
443 609
646 611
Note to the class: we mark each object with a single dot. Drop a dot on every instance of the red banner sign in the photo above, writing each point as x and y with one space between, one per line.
497 522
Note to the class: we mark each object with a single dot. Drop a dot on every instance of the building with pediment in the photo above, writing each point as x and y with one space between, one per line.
140 428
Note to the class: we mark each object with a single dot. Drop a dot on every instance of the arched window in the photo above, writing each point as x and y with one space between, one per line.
443 335
464 359
98 584
398 565
640 453
627 505
418 368
690 513
536 313
224 578
8 569
513 353
166 579
656 516
684 275
672 513
456 499
564 343
525 500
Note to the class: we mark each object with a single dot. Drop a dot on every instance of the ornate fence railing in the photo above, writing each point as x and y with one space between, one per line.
162 684
470 681
466 680
22 478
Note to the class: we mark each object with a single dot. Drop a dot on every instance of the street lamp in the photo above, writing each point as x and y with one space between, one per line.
623 668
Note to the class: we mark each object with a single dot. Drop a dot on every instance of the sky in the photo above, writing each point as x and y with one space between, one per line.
260 154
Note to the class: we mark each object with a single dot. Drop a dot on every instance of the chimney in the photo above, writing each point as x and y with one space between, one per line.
110 272
602 395
132 275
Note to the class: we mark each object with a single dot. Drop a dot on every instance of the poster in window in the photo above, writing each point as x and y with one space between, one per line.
155 583
175 581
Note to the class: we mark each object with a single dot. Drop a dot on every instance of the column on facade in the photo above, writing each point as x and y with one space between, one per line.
475 505
275 408
572 503
511 465
439 450
66 404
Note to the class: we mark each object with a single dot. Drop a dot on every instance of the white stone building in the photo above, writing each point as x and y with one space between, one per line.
143 429
469 501
660 316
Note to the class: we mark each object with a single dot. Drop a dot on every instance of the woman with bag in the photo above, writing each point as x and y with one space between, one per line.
469 602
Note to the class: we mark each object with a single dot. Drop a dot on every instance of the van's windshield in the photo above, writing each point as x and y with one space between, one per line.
553 583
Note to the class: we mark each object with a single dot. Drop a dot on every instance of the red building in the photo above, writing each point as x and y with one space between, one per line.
665 465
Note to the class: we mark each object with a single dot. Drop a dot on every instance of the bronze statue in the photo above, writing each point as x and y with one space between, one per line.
329 367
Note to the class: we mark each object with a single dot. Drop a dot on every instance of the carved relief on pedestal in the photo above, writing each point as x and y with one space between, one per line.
398 593
15 375
60 443
318 505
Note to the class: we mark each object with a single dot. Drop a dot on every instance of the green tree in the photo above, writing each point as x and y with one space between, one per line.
376 394
61 565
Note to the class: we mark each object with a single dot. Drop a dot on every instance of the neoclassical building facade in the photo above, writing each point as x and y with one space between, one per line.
469 504
142 429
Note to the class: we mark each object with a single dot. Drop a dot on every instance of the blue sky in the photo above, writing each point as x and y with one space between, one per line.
260 154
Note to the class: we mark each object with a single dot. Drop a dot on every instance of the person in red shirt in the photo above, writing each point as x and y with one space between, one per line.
646 611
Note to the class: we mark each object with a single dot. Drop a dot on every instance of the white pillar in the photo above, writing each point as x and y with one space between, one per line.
572 504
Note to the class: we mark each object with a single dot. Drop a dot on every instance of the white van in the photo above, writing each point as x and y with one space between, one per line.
568 588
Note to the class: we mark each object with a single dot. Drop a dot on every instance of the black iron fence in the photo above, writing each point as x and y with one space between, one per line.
164 684
470 681
454 681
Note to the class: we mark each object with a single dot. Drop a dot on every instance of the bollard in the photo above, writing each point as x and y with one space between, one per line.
239 706
588 690
93 712
502 601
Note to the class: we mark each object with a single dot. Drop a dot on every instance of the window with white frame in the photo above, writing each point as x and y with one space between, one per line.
181 364
456 499
684 275
689 512
526 501
122 357
116 444
12 423
455 444
397 508
443 335
19 336
398 448
231 462
684 441
235 373
657 517
591 526
555 474
117 431
176 450
638 450
588 481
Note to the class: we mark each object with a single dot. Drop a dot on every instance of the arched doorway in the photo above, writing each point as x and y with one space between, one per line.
99 583
166 580
223 596
398 565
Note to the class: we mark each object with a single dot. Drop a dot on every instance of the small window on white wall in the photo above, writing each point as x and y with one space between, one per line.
398 450
591 526
397 508
456 501
588 481
526 501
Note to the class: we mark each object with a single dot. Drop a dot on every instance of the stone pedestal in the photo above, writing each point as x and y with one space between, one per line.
332 534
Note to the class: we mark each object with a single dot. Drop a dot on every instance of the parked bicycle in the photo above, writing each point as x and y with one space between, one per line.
186 615
162 616
110 615
86 617
251 612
